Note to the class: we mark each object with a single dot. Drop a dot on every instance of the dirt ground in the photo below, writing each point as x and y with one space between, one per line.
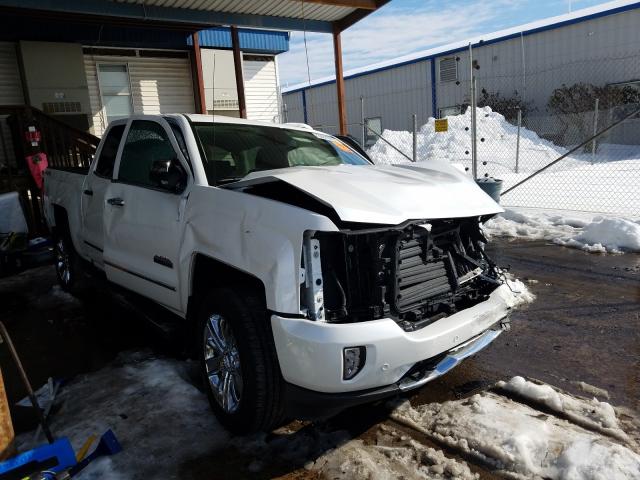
584 326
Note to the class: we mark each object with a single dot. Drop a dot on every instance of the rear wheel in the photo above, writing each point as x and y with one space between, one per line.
238 361
68 264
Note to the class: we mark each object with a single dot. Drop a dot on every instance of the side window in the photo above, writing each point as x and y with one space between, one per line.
107 158
146 142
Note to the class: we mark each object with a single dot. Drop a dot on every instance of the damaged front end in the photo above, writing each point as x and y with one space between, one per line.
415 273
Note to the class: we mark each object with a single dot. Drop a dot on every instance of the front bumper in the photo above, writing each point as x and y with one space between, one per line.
310 353
303 403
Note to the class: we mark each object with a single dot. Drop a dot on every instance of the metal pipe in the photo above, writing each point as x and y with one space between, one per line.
25 380
415 137
573 150
518 140
595 128
364 131
388 143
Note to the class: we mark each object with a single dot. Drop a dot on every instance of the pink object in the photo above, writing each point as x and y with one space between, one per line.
38 163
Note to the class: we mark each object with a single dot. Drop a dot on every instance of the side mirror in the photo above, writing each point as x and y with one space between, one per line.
168 175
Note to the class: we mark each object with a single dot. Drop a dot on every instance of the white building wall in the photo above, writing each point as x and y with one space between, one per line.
10 83
261 88
158 85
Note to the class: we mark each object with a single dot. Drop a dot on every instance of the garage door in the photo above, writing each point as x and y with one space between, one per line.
261 88
160 82
10 84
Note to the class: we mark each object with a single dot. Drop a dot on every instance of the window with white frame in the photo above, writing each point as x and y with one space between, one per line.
373 125
448 69
115 90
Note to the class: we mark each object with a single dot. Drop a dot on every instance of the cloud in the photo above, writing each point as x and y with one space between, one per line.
392 32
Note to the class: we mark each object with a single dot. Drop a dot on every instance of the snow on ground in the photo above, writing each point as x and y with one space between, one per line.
523 441
592 414
394 455
163 422
589 232
159 417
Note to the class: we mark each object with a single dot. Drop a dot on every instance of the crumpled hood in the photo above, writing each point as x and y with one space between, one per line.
385 194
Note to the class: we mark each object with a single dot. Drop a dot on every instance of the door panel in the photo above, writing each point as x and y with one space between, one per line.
93 193
143 221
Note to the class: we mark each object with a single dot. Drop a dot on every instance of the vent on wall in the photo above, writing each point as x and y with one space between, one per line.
448 69
61 107
223 104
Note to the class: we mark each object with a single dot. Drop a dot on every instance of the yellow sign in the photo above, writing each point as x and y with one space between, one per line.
442 124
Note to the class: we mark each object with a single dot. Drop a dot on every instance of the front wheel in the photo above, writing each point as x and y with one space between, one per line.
238 361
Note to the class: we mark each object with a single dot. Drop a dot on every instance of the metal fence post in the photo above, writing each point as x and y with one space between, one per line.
415 137
364 129
595 129
474 151
518 140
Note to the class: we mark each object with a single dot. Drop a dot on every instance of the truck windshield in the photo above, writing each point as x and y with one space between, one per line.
232 151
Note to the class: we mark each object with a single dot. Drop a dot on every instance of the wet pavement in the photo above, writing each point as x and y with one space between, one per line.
583 326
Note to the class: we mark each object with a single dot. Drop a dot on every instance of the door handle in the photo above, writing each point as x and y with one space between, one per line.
116 202
88 192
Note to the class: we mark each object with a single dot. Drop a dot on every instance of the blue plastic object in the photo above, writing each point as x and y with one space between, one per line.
55 457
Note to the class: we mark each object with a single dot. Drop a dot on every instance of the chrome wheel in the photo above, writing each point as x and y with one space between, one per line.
63 262
222 363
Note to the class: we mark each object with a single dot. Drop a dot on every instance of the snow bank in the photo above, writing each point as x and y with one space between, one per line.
592 414
521 440
583 231
159 417
497 140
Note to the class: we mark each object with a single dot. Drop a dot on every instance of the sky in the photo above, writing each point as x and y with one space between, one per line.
406 26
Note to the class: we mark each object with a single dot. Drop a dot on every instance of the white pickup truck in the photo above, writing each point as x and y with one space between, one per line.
313 279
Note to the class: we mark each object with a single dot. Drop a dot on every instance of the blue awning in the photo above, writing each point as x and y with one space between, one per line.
251 41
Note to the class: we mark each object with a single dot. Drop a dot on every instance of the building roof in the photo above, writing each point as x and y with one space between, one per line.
309 15
605 9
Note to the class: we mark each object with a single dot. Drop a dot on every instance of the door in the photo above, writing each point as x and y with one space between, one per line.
144 213
93 193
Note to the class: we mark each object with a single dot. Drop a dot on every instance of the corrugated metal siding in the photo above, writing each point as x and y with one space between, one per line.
395 95
10 84
275 8
256 41
261 90
158 85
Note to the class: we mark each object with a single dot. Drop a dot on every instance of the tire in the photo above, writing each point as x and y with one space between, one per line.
254 401
68 264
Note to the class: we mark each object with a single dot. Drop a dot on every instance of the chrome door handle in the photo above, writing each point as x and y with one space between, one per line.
116 202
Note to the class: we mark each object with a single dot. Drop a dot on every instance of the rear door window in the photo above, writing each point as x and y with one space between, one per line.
107 159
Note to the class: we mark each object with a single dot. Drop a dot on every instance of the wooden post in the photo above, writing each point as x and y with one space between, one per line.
201 102
237 63
7 448
342 110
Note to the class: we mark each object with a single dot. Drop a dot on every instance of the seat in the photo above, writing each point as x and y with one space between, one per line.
271 157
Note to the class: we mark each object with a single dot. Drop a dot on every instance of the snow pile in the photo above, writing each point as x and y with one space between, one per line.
592 414
521 440
583 231
519 293
613 235
159 417
393 456
496 143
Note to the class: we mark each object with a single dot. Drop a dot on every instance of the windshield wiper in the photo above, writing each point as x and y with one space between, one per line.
224 181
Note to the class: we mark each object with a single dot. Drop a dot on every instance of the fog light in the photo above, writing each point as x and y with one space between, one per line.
353 361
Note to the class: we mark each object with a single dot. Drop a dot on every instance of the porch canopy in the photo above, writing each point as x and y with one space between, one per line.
324 16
